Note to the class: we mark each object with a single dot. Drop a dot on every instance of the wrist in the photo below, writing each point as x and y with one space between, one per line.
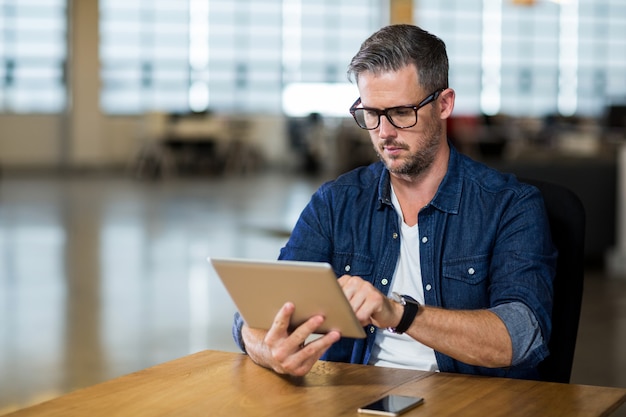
410 308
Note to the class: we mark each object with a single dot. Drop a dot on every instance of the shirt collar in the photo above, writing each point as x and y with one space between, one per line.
384 187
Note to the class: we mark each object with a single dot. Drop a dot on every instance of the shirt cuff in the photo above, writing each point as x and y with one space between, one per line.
529 347
236 330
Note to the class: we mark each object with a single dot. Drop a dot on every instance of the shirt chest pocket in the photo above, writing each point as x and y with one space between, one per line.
352 264
469 270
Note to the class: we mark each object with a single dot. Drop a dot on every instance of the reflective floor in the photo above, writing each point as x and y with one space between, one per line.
104 275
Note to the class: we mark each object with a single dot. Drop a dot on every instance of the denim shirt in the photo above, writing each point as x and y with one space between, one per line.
485 244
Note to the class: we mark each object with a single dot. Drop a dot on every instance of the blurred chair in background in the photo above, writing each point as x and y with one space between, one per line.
566 215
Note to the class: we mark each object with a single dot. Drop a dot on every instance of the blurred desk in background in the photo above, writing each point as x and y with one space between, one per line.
195 144
192 155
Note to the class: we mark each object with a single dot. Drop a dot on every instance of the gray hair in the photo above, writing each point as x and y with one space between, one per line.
396 46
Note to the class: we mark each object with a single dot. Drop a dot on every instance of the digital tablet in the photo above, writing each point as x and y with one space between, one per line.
260 288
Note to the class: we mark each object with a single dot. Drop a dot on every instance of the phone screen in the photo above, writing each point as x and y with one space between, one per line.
391 405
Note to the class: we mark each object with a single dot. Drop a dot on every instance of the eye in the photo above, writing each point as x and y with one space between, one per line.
401 111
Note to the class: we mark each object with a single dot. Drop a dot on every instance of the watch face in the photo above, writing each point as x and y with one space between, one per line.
397 298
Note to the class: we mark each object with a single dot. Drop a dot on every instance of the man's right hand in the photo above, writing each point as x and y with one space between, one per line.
284 352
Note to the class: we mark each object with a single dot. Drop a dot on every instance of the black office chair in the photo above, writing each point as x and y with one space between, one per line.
567 225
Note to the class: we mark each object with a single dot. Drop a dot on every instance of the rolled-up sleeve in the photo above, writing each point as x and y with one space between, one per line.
529 346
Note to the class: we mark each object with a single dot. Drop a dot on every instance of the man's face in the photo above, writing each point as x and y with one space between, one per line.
405 152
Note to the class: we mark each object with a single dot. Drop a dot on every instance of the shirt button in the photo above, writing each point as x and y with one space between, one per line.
372 329
424 239
395 235
471 271
428 287
385 281
347 268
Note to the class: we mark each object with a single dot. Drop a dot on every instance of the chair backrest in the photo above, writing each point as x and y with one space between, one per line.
566 215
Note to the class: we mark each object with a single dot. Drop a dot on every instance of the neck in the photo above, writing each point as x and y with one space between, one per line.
415 192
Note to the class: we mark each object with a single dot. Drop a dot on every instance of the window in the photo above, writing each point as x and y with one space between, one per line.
144 55
563 57
224 55
32 56
320 39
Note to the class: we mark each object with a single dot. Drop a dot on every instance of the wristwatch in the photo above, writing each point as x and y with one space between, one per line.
411 307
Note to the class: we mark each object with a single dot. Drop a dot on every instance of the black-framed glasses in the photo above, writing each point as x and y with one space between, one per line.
401 117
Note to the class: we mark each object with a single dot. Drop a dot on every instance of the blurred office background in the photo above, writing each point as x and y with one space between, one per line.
138 137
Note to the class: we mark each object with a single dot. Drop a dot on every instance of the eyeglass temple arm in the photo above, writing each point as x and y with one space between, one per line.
356 103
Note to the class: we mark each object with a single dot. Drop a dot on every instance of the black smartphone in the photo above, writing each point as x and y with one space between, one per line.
391 405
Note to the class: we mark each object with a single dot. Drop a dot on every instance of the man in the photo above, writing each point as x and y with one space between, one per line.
448 264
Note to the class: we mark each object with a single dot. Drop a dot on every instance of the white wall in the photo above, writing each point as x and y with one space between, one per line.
30 140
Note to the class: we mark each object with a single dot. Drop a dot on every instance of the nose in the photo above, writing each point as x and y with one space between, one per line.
386 129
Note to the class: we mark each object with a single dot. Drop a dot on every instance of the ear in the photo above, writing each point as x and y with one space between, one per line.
446 103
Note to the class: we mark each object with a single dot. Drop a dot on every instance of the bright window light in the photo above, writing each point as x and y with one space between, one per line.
568 59
198 96
491 57
327 99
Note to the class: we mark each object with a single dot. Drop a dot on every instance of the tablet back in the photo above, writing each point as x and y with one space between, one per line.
260 288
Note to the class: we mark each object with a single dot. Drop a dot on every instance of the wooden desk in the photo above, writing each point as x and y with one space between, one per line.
212 383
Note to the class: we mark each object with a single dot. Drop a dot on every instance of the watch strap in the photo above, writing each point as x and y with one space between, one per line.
411 307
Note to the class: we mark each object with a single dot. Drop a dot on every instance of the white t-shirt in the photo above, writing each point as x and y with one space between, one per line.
400 350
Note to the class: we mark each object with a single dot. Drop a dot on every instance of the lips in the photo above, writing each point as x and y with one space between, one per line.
392 149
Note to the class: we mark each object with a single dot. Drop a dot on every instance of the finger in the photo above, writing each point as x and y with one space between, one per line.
357 291
280 325
306 329
284 346
350 285
342 280
362 310
301 363
349 282
291 356
321 344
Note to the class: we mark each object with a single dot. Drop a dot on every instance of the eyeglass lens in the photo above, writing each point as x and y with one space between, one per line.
400 117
